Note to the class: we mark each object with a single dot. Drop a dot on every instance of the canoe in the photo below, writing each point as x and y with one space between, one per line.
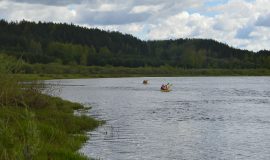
145 82
165 90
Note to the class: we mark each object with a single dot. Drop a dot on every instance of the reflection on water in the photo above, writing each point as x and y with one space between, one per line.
202 118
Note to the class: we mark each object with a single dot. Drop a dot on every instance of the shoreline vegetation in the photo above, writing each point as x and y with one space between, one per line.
57 71
35 125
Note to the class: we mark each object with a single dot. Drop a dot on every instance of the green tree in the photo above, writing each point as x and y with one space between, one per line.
35 47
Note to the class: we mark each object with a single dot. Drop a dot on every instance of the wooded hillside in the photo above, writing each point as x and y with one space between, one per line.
75 45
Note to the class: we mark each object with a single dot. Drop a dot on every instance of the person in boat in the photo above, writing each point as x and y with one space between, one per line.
163 87
145 81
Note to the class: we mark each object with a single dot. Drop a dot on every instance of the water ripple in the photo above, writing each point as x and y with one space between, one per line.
203 118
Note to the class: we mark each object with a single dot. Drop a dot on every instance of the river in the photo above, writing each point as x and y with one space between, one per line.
202 118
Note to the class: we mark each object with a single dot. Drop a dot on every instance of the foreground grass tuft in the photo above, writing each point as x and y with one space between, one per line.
34 126
48 132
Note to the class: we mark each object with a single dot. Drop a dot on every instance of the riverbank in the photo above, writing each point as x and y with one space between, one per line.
38 126
117 72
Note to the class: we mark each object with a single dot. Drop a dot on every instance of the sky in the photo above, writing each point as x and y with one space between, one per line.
242 24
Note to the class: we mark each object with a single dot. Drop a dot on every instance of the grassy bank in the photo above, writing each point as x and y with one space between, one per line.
57 71
37 126
68 72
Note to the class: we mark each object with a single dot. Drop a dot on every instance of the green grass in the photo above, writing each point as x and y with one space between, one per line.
146 72
51 131
58 71
37 126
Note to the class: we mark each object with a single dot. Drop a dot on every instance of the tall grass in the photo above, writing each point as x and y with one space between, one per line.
37 126
49 71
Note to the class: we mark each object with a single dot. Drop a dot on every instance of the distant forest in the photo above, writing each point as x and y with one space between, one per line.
69 44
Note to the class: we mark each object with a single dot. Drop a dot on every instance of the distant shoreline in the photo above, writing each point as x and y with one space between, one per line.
130 72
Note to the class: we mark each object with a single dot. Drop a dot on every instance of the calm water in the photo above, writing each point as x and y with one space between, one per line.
202 118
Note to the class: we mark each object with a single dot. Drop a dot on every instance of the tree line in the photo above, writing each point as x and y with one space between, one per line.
69 44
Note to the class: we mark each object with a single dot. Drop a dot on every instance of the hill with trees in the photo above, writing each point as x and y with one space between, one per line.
69 44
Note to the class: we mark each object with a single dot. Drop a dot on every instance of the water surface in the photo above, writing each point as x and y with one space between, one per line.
202 118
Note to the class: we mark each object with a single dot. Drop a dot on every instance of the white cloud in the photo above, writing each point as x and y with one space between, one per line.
146 8
48 2
107 7
36 12
180 25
